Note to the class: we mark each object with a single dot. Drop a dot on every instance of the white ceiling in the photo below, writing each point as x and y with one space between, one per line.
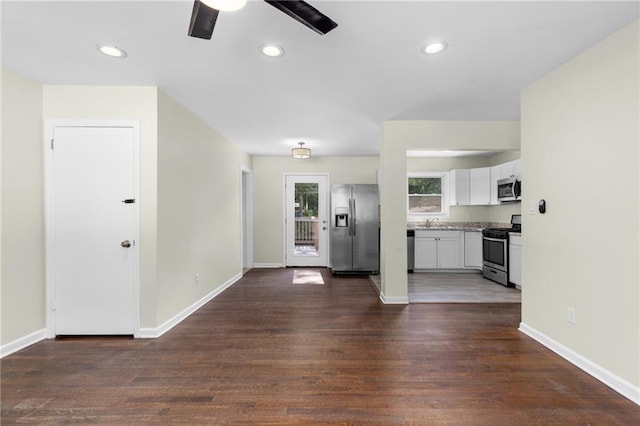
331 91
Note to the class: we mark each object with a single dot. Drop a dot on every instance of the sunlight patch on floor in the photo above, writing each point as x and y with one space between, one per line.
307 276
305 250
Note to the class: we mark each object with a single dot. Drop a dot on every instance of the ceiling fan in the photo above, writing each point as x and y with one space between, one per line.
203 17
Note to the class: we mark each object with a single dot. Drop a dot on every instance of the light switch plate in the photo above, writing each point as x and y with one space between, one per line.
533 208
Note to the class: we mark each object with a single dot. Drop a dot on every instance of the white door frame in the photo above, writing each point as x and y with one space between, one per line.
284 213
49 128
246 215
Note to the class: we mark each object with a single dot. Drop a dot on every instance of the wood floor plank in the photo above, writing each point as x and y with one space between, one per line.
267 351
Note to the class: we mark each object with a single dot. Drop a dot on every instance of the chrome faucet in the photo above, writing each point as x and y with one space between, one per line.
429 222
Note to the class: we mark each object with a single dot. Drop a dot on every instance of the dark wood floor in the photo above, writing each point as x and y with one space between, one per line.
270 352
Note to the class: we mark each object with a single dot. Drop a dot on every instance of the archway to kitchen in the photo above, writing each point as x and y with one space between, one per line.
401 137
451 199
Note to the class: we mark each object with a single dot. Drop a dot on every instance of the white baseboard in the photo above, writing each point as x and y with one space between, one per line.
268 265
615 382
23 342
394 300
154 332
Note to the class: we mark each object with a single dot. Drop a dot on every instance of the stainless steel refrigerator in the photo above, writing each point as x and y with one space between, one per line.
355 229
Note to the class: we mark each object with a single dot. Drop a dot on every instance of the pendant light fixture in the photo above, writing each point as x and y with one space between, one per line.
301 152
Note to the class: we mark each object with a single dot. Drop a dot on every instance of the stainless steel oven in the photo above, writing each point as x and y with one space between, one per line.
495 251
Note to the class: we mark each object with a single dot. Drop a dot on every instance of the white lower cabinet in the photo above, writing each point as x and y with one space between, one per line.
426 252
473 249
515 260
437 250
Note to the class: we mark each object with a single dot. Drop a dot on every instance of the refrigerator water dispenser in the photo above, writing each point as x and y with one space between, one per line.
342 217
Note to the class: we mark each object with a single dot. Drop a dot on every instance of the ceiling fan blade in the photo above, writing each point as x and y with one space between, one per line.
203 19
306 14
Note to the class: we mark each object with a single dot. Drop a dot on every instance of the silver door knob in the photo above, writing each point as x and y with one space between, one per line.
126 243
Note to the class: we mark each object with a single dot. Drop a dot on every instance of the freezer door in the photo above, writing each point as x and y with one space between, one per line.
366 233
341 228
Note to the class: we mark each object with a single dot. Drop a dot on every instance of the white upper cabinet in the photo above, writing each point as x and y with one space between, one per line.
480 183
479 187
517 168
507 170
495 175
512 168
460 190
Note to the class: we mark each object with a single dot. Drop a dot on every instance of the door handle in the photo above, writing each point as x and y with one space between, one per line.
126 243
353 213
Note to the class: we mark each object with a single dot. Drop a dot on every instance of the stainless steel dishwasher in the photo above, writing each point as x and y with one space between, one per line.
411 242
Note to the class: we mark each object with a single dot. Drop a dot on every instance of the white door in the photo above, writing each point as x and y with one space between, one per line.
92 229
306 225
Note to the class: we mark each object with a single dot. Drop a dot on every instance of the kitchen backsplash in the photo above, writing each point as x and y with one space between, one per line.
476 214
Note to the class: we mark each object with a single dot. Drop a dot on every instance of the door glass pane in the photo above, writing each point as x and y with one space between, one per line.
306 219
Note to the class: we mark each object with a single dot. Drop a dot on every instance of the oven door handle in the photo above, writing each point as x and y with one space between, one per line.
495 239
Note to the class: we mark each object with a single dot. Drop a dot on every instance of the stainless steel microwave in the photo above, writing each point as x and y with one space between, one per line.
509 189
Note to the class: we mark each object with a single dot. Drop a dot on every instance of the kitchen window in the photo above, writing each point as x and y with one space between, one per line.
427 194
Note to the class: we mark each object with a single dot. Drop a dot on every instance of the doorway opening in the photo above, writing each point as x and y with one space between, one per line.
246 207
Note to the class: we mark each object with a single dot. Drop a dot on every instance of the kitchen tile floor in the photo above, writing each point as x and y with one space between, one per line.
427 287
438 287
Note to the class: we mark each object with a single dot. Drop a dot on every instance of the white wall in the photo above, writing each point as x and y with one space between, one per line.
580 137
199 220
268 189
398 138
127 103
23 276
190 199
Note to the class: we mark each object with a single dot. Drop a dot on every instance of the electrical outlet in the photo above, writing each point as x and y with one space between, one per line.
571 316
197 278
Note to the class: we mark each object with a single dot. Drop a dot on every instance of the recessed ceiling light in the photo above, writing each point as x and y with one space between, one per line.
271 50
113 51
225 5
435 47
